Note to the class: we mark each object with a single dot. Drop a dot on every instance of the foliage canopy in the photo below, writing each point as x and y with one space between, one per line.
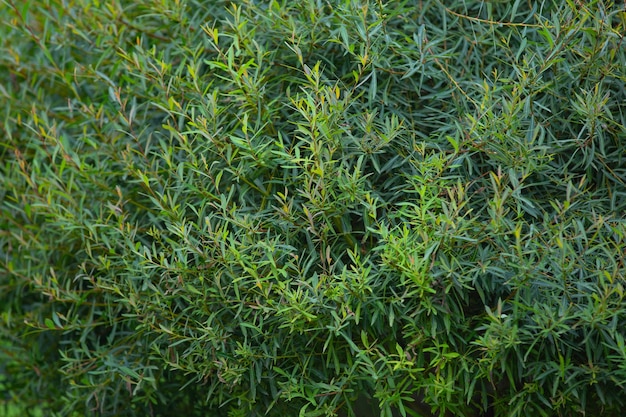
300 207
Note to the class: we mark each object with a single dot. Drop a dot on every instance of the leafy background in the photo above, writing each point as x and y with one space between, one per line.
312 208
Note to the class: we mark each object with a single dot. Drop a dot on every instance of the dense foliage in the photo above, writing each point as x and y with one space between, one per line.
313 208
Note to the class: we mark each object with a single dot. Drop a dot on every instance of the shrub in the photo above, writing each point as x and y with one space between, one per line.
313 208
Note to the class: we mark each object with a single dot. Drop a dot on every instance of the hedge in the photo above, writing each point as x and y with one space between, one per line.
312 208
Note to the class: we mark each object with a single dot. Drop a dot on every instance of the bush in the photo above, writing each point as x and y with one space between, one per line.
313 208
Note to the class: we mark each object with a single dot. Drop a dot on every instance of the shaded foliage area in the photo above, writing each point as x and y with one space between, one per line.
273 208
